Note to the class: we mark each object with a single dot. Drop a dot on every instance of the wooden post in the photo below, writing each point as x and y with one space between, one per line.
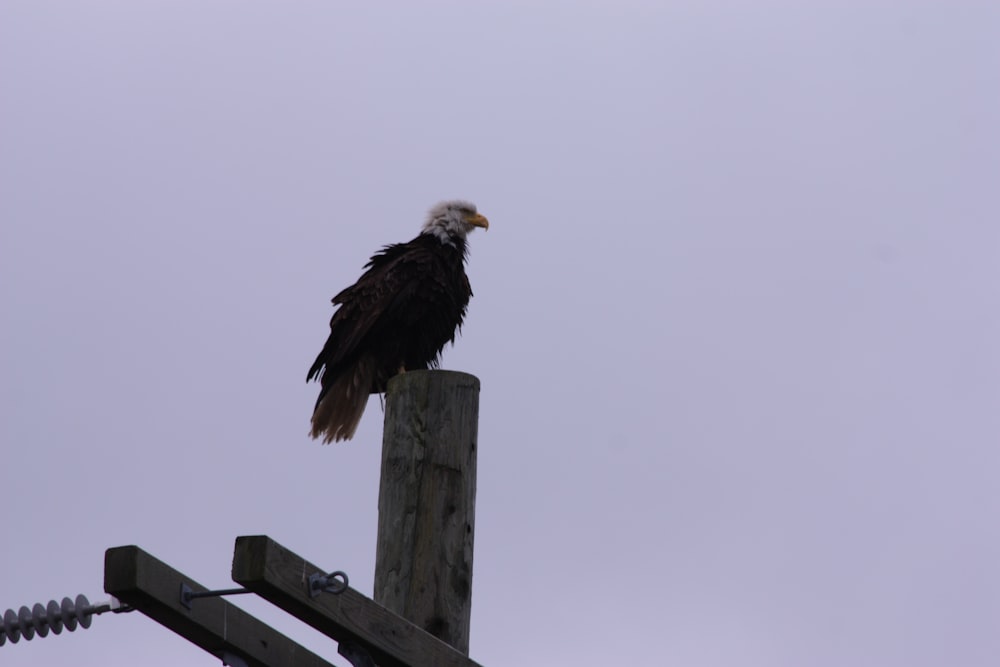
427 500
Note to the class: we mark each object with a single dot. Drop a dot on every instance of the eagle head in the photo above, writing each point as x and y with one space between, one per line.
453 219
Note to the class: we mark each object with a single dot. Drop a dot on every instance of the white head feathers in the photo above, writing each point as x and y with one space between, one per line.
452 220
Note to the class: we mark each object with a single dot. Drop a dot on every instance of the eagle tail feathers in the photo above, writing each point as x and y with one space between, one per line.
343 401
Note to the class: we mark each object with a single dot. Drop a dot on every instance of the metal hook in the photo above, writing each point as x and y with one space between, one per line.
335 582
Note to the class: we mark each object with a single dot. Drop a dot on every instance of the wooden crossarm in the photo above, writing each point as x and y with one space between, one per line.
278 575
218 626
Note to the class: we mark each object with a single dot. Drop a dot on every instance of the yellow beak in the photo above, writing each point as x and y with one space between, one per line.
478 220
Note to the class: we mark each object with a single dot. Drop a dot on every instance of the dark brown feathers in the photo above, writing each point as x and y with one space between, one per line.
406 306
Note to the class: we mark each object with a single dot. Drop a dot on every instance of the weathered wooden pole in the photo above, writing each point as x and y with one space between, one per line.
427 502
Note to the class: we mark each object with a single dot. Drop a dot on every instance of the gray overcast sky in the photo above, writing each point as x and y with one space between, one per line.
736 317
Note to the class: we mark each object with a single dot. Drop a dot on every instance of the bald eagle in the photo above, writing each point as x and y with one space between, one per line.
408 303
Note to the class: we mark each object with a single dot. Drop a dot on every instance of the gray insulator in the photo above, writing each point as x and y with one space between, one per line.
11 626
52 614
38 611
68 615
39 620
24 620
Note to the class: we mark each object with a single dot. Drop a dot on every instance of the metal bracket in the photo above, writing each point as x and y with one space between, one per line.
187 594
355 654
233 660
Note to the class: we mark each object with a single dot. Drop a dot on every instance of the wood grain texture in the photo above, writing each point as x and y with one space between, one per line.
427 502
281 576
217 626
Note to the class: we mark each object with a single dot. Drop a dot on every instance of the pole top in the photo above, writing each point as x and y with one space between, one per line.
435 376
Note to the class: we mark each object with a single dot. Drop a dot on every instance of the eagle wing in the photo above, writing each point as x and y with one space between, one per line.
393 277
